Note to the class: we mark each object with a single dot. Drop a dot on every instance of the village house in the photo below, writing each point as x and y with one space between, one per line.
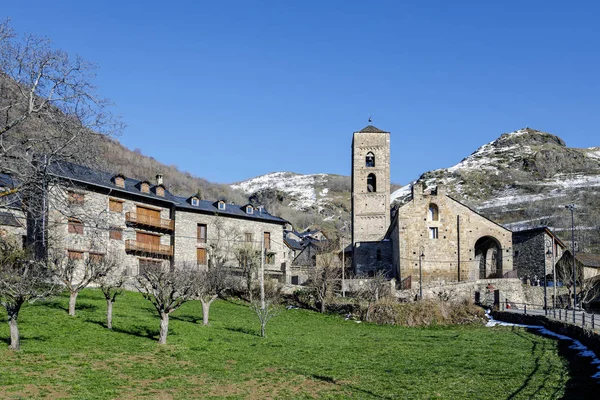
92 213
536 250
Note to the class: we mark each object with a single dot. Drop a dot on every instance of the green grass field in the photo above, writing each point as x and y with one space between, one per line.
306 355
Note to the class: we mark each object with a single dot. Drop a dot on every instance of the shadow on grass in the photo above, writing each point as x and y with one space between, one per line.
580 384
139 331
25 339
332 381
186 318
243 330
55 304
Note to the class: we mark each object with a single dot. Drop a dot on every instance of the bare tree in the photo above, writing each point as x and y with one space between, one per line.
373 289
50 113
78 273
211 284
111 285
325 275
265 308
167 290
22 279
587 288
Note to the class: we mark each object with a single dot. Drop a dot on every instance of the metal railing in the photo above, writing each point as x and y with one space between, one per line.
161 249
577 316
160 223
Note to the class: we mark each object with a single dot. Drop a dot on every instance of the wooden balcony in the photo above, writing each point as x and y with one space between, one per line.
149 248
162 224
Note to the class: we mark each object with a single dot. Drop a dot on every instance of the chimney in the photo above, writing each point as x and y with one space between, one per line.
159 179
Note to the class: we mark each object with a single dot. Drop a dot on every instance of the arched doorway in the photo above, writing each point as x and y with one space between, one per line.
488 258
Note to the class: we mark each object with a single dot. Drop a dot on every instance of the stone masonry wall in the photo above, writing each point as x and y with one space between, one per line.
441 255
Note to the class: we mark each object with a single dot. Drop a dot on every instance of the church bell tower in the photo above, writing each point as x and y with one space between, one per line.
370 184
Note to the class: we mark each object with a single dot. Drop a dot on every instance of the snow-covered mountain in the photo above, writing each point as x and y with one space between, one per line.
325 196
522 179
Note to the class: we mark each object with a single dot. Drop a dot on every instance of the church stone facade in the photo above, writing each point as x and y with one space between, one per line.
450 241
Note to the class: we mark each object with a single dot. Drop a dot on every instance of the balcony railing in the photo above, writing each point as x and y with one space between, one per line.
160 249
158 223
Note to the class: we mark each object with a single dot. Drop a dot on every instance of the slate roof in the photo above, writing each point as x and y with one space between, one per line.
83 174
589 260
234 210
293 244
371 129
540 229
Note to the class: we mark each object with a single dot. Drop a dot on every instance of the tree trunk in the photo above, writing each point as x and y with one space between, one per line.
206 309
109 306
262 329
15 343
323 306
164 327
72 301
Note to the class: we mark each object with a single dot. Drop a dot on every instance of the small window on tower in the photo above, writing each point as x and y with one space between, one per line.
371 183
370 160
433 233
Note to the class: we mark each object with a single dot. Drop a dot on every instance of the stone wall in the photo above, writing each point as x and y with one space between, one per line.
453 255
370 210
227 234
370 257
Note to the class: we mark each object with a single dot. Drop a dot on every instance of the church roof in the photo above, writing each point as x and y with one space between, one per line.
371 129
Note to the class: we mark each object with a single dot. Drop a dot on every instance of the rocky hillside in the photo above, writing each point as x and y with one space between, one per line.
524 179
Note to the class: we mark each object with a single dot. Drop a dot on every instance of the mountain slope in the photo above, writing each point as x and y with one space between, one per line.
524 179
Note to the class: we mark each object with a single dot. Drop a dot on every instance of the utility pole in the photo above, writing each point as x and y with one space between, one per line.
343 269
421 255
571 207
262 272
554 270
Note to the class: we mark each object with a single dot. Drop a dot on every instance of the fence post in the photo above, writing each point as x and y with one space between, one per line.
525 308
593 321
583 320
559 314
554 311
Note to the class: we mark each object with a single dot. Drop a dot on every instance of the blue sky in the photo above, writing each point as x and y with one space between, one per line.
229 90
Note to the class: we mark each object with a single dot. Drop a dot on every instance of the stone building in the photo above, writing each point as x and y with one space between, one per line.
370 199
450 241
536 250
94 213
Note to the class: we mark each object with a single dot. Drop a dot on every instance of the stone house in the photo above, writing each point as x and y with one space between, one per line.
536 251
94 213
587 265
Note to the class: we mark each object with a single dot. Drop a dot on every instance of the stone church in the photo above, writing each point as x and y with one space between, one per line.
432 233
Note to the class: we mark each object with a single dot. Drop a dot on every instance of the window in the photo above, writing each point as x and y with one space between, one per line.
270 258
160 191
201 233
370 160
195 201
433 233
75 198
75 254
267 239
201 256
249 210
371 183
115 233
115 205
247 237
434 213
221 205
120 181
75 226
145 187
96 258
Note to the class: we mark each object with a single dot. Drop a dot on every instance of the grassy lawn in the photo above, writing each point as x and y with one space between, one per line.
306 355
